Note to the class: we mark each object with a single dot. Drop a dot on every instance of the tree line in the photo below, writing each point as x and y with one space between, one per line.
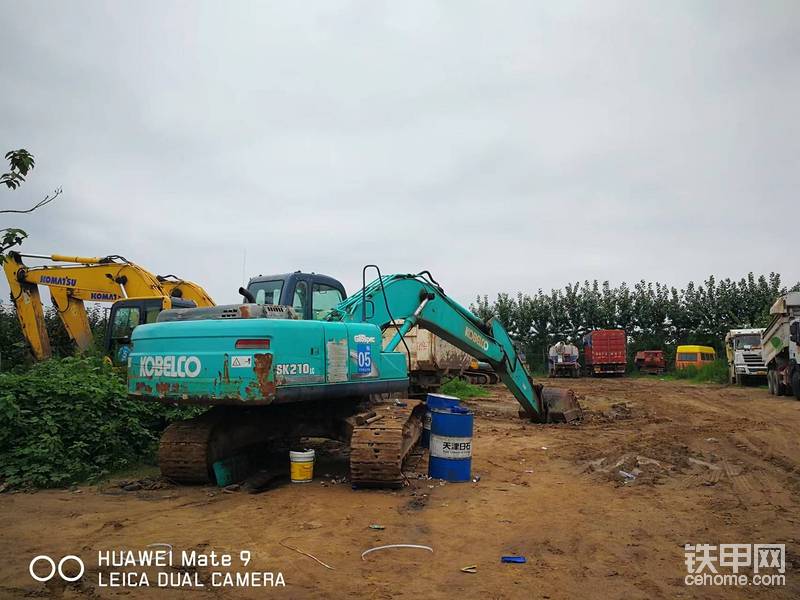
654 315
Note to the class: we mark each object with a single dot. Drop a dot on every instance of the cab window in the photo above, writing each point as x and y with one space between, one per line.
324 298
151 314
706 356
687 356
267 292
746 342
125 319
300 298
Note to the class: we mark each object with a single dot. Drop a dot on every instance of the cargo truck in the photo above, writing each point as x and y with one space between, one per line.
780 346
743 350
604 352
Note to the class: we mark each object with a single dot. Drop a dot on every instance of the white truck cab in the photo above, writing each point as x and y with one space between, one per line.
745 362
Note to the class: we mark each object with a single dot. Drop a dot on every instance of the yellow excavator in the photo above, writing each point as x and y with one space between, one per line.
137 295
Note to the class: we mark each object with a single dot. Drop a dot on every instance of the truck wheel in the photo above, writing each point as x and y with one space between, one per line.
771 382
782 388
796 383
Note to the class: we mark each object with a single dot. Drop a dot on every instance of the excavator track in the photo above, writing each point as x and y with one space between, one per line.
183 453
189 449
379 448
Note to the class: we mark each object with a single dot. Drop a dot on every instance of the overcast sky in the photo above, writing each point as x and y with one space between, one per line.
503 146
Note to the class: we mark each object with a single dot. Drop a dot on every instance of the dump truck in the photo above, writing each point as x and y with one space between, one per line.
745 361
604 352
272 377
432 361
651 362
780 346
562 360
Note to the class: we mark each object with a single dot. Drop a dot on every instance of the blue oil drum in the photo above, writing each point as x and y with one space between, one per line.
451 444
435 401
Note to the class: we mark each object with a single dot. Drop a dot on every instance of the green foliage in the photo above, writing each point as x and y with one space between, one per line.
462 389
689 372
67 421
20 162
655 316
9 238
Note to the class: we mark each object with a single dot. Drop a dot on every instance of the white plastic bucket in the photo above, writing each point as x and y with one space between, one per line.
301 465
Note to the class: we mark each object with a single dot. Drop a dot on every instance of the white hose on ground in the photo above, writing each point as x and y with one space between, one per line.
365 552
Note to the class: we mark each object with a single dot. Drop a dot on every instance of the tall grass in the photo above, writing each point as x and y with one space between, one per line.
713 372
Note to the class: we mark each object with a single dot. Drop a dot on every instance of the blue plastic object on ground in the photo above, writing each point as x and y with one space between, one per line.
513 559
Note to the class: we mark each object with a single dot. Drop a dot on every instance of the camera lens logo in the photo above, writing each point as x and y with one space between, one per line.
43 558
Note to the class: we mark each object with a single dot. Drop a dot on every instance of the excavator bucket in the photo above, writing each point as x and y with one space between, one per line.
559 405
562 405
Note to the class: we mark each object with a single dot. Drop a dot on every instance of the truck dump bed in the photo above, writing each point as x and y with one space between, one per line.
776 336
430 352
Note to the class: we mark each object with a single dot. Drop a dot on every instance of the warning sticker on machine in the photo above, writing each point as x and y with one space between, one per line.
241 361
453 448
336 351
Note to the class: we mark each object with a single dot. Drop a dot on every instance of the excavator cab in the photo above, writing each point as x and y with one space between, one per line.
311 295
126 315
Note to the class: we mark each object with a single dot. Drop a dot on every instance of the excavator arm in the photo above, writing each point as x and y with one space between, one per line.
176 287
419 300
94 279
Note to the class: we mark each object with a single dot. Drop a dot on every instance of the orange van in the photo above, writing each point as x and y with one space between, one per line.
694 355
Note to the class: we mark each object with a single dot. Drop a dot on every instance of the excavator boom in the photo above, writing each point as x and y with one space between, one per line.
419 300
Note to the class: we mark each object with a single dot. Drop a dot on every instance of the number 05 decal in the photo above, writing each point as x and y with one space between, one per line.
364 358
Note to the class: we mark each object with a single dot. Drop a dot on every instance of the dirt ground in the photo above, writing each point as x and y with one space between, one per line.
706 464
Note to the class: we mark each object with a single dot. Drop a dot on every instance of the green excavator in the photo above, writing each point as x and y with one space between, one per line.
299 358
